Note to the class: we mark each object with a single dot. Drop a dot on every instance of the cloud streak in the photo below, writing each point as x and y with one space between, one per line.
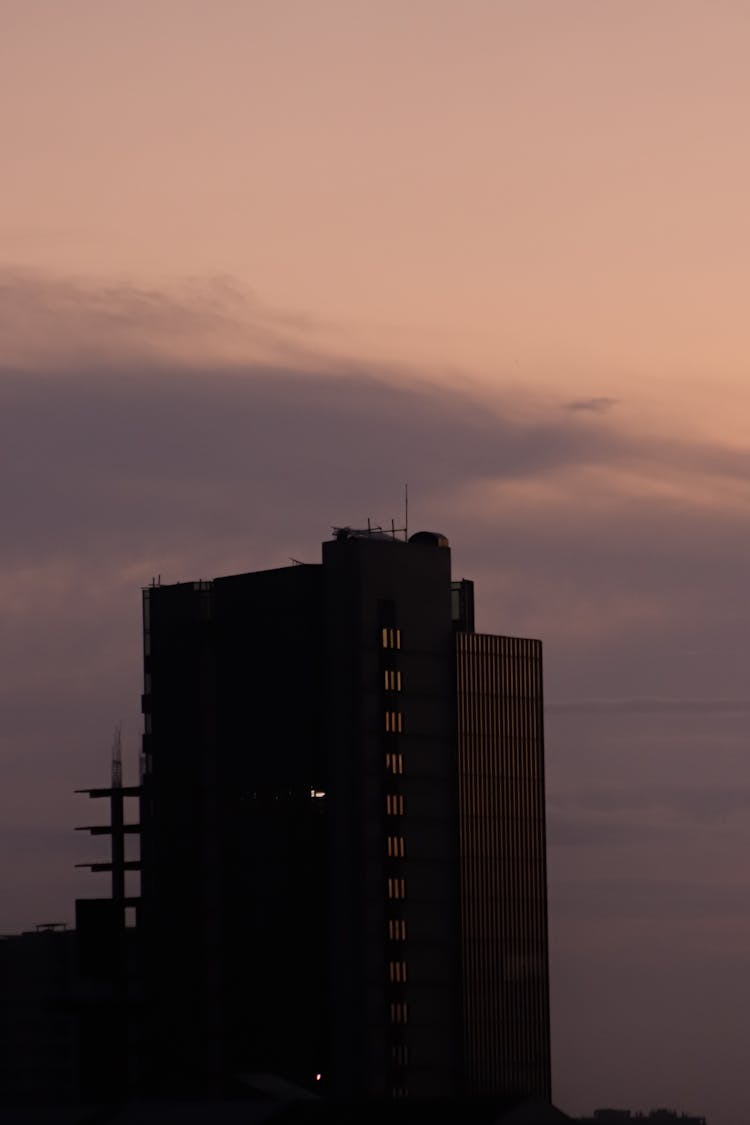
595 405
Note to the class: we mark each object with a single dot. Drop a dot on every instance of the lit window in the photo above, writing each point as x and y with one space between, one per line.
390 638
396 929
394 804
394 722
392 679
397 972
396 888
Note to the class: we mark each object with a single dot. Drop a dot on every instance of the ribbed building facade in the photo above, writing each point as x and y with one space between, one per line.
505 1011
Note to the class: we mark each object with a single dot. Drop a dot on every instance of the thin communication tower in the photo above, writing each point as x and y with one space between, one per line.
117 758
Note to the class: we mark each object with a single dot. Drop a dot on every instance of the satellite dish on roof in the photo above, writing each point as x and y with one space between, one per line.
430 538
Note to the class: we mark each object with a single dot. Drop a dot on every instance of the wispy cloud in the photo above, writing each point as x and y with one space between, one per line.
596 405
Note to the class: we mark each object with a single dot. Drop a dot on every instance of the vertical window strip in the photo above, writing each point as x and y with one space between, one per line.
394 804
390 638
394 763
392 679
394 722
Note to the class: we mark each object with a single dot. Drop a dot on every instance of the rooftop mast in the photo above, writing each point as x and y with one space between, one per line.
117 758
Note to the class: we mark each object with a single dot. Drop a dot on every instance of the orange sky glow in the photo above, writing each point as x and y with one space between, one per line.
505 243
543 191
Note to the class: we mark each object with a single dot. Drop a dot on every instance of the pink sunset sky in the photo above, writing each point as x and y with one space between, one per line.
260 263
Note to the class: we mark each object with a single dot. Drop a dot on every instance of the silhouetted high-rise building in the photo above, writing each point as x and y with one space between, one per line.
343 836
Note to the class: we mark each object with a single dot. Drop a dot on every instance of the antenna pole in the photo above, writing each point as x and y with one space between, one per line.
406 512
117 758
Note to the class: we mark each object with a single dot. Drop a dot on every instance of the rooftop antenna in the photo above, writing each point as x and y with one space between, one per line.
117 758
406 512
